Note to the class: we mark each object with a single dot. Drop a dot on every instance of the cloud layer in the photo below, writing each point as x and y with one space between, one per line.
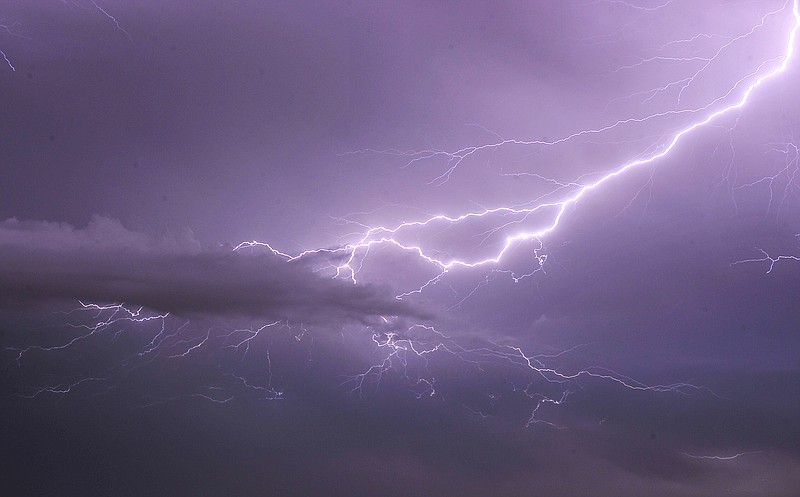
105 262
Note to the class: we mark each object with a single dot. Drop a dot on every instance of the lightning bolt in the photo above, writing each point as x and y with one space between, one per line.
723 458
557 208
8 62
12 30
770 260
408 350
112 19
94 321
409 355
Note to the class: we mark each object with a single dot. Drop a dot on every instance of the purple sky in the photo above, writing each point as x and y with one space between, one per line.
621 348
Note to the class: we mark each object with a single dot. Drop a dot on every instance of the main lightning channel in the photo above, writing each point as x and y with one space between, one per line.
383 235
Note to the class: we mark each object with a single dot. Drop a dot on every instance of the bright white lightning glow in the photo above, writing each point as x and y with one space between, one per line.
386 235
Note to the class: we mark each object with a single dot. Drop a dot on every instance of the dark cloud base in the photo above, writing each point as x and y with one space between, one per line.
106 263
320 443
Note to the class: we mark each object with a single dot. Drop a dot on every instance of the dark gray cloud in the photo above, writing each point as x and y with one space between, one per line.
107 263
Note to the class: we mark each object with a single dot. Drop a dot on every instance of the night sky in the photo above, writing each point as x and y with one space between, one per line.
512 248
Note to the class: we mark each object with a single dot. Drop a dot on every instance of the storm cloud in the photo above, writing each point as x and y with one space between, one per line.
105 262
647 346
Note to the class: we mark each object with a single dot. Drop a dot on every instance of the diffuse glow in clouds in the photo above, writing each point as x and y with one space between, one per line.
475 314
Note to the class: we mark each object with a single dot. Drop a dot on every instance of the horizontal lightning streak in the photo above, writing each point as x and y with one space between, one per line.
768 258
723 458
